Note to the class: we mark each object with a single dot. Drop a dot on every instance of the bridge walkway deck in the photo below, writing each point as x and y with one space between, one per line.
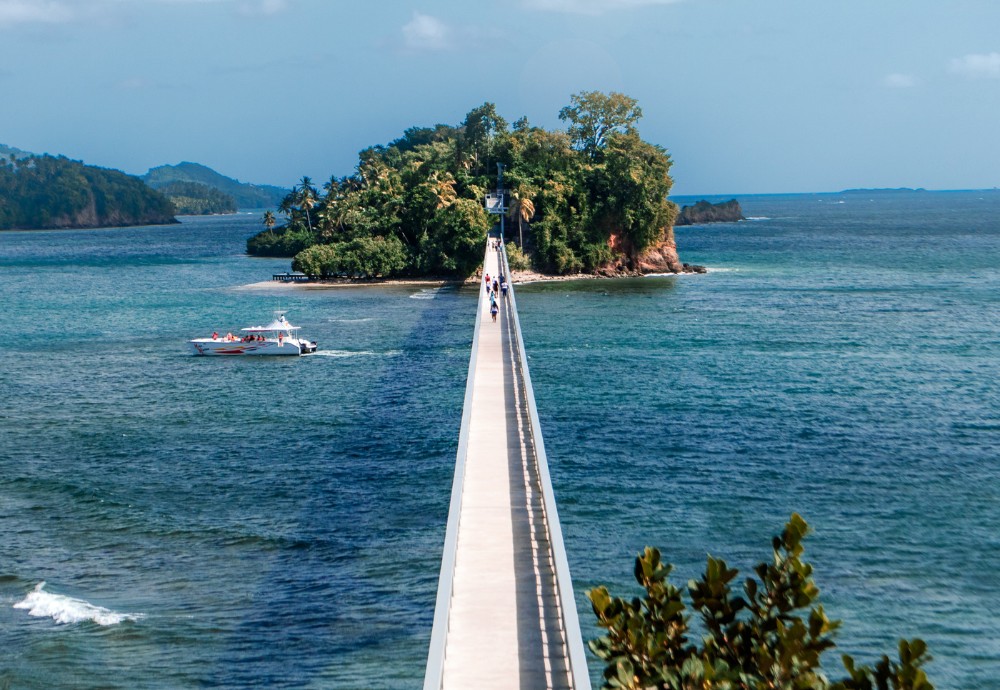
505 626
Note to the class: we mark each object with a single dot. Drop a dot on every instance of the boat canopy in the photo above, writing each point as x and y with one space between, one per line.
276 325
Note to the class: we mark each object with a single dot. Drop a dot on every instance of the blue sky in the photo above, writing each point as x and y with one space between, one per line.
748 97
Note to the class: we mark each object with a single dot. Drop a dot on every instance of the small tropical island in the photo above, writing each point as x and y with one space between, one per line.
707 212
589 200
49 192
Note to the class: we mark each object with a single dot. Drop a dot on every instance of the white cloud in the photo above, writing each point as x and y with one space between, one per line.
134 84
263 7
977 66
19 12
426 33
900 81
34 11
590 6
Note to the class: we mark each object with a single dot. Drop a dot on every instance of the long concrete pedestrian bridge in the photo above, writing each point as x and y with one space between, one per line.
505 615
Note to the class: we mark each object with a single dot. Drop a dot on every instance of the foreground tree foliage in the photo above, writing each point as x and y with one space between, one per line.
769 637
577 201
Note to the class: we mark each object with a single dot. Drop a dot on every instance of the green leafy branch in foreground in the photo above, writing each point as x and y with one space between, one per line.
759 640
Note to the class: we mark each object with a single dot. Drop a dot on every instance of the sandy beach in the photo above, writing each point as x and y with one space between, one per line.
519 277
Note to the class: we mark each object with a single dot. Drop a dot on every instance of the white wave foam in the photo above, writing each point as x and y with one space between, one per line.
64 610
428 293
757 218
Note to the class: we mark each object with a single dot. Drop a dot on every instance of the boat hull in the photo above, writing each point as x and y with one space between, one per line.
292 347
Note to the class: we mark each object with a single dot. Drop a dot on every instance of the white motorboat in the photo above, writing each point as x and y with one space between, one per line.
277 338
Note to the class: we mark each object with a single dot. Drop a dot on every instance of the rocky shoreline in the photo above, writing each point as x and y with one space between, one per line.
661 259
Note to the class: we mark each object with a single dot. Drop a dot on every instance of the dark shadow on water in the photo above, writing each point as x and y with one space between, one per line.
333 611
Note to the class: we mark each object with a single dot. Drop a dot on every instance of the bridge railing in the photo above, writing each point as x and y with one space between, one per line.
564 581
434 674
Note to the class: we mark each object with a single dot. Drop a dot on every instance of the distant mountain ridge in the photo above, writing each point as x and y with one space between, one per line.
247 195
883 190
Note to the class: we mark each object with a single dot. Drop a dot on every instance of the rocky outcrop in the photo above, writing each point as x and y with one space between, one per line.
707 212
663 259
660 258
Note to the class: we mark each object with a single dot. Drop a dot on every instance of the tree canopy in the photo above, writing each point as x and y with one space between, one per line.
579 199
594 115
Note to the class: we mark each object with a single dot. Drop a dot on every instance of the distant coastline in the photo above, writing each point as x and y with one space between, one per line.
884 190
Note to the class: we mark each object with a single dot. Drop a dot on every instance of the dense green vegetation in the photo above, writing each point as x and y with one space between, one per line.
50 192
760 639
577 200
245 194
196 199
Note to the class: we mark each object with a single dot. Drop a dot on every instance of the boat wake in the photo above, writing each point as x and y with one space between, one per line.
340 354
65 610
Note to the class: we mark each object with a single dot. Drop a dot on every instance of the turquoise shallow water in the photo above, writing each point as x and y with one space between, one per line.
280 523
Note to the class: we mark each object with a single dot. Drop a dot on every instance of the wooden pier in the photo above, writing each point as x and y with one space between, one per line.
291 277
505 615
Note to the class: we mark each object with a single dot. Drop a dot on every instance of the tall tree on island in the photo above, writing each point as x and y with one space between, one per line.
594 115
481 125
268 220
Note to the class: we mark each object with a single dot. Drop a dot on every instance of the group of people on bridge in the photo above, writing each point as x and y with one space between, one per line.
497 286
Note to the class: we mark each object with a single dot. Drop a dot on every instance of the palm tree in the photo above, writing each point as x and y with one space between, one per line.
523 209
443 186
305 196
269 220
286 205
328 215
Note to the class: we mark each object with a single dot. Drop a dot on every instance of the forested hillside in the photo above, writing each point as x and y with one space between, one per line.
592 198
39 192
195 199
245 194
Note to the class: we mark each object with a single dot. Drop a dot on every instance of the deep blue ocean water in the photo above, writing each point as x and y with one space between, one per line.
279 523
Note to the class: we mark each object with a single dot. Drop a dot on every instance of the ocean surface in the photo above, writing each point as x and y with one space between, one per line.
169 521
